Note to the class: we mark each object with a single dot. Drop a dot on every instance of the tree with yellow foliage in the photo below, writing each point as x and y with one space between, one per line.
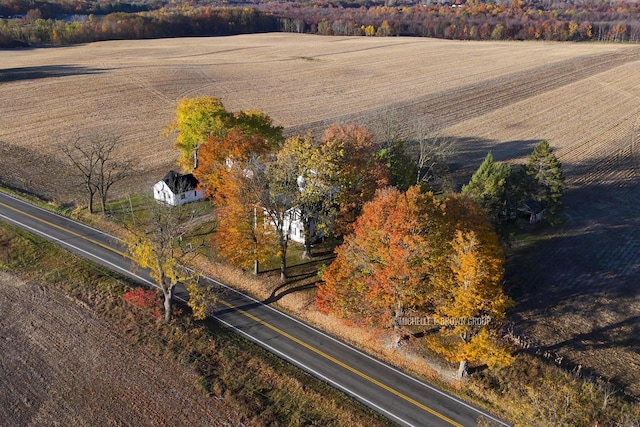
199 119
384 30
159 244
279 198
369 30
470 302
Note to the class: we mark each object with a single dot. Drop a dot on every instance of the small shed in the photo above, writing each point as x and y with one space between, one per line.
176 189
533 209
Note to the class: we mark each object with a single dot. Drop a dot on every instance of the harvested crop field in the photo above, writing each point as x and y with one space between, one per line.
62 365
578 287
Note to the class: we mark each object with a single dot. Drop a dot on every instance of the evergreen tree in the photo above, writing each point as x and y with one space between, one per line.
402 169
489 188
544 178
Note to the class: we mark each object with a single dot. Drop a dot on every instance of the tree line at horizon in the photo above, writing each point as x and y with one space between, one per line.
470 20
34 30
42 23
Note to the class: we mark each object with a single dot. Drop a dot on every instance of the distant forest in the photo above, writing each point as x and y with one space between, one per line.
63 22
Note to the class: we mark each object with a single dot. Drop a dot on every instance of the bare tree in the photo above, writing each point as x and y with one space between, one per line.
94 160
629 417
388 127
432 152
608 390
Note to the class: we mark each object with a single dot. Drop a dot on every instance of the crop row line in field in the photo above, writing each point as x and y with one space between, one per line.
600 143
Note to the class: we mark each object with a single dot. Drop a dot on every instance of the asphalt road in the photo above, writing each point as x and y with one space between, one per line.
398 396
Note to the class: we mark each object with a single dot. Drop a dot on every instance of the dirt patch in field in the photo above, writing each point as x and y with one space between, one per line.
62 365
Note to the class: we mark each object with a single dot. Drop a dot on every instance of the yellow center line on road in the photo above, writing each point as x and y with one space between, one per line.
66 230
262 322
342 364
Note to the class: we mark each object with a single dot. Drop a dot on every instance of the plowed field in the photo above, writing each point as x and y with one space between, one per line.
61 365
580 288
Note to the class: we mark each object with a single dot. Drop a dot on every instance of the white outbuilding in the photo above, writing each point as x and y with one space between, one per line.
176 189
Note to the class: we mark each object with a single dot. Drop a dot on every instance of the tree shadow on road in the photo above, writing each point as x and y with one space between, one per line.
284 290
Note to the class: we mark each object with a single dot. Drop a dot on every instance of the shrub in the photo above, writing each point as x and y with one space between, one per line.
142 298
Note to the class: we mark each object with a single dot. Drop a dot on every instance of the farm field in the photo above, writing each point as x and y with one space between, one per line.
578 287
63 365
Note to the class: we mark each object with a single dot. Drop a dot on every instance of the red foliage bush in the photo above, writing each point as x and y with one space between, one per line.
142 298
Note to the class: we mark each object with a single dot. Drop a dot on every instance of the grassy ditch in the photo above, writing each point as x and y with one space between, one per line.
253 386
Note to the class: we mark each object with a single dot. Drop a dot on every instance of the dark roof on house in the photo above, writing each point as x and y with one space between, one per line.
533 206
179 183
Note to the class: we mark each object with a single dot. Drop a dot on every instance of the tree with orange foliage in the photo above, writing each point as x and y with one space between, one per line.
258 195
381 271
220 155
241 236
349 161
225 168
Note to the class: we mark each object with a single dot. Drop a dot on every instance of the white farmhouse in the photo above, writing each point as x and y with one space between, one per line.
176 189
293 223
